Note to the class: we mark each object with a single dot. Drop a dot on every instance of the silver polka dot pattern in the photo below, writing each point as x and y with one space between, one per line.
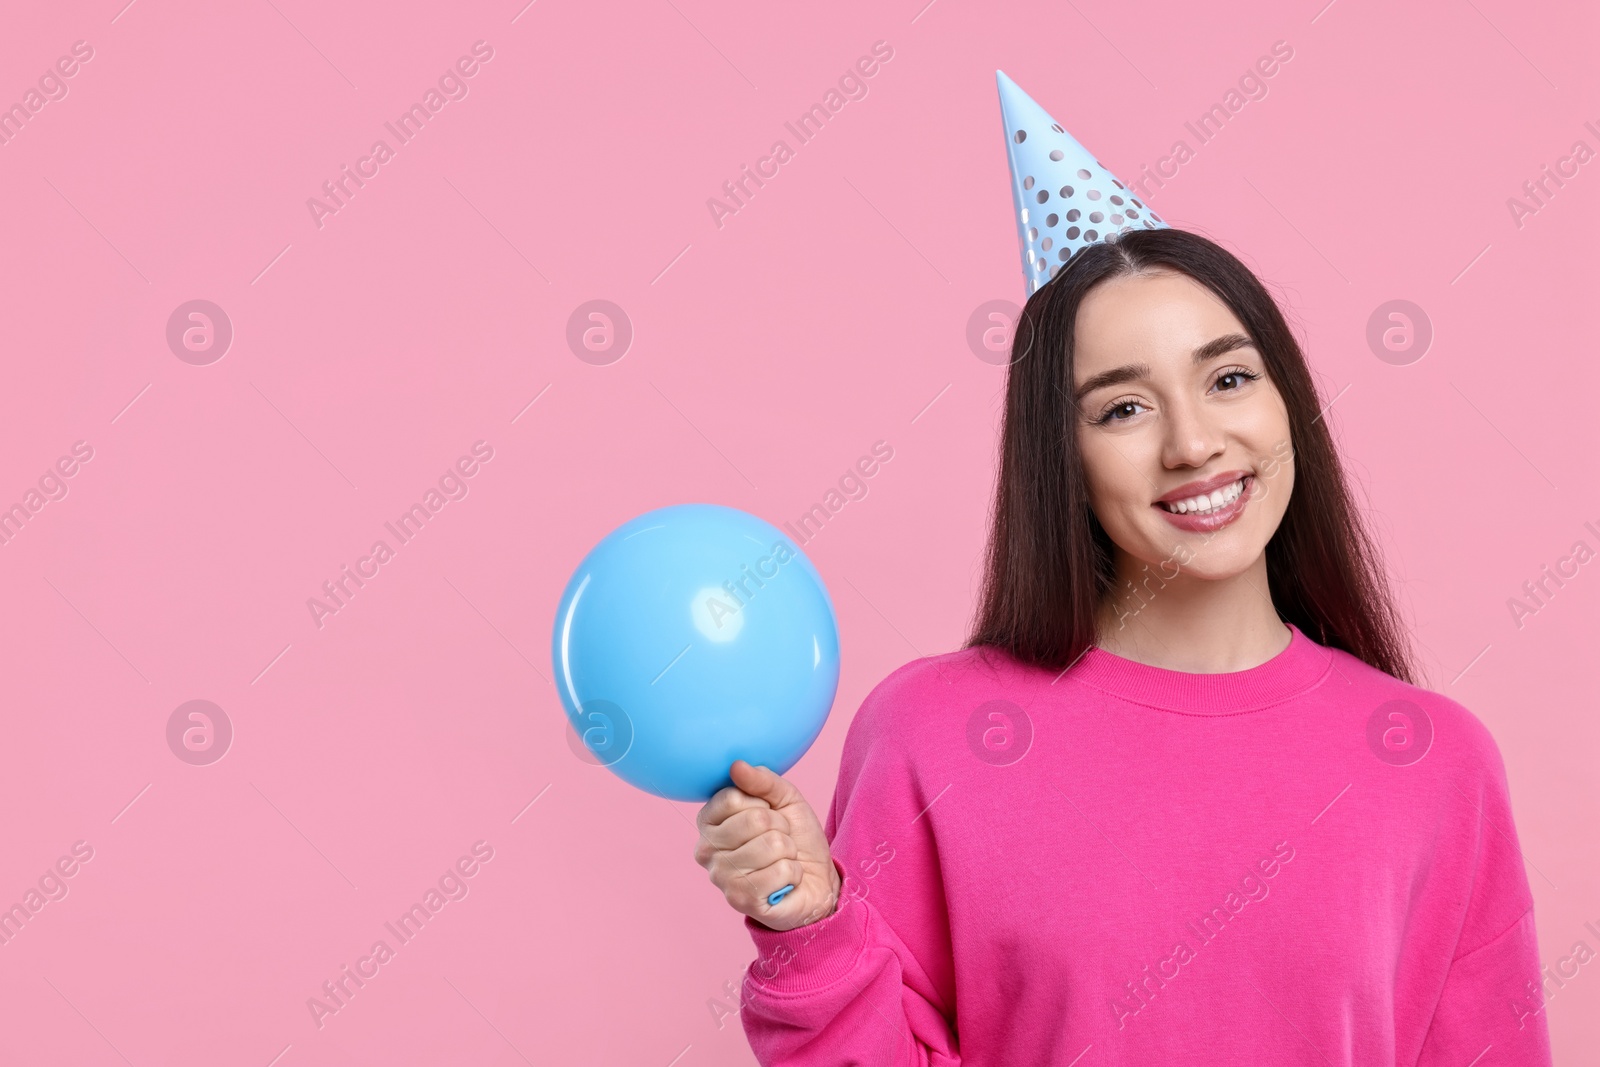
1064 243
1074 199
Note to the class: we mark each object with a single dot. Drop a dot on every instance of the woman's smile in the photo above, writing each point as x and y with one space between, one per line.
1200 507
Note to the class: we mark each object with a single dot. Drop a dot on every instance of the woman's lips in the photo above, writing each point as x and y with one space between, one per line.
1216 519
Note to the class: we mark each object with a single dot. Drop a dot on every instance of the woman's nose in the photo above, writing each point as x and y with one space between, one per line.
1191 435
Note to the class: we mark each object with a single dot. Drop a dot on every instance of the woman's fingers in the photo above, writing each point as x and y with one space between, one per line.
724 803
760 852
742 827
747 891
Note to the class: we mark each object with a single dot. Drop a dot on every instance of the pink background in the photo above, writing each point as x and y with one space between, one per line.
768 354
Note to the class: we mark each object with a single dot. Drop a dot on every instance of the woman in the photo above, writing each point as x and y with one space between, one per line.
1177 800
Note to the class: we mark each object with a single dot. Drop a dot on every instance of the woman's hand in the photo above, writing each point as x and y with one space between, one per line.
759 835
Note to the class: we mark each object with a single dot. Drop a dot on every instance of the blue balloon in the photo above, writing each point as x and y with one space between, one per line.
691 636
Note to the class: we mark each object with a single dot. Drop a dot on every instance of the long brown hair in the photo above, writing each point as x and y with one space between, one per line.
1049 561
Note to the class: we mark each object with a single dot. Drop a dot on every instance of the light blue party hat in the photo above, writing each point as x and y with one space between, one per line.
1064 197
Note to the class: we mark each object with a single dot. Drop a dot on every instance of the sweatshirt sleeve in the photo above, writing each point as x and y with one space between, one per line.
873 983
1493 994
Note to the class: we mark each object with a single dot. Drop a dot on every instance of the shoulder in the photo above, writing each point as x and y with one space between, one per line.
913 731
930 692
1455 738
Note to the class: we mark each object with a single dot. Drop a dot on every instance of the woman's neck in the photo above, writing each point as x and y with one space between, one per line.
1199 625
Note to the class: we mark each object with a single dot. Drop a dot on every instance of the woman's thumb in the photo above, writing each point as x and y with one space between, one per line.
762 783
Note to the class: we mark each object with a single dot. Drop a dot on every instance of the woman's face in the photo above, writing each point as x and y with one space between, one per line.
1184 437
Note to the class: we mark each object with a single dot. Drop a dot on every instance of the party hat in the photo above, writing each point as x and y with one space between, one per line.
1064 197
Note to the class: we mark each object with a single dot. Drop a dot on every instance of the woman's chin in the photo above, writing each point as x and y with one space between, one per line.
1221 570
1227 554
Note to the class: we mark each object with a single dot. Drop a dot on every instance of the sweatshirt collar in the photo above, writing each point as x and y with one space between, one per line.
1299 667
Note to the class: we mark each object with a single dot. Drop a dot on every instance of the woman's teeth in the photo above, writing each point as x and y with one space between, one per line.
1202 504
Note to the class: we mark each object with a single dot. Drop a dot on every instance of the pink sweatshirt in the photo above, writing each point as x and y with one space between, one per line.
1306 862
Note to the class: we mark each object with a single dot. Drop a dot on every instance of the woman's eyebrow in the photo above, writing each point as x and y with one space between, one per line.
1128 372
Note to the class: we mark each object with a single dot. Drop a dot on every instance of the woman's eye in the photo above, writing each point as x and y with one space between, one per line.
1237 377
1120 412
